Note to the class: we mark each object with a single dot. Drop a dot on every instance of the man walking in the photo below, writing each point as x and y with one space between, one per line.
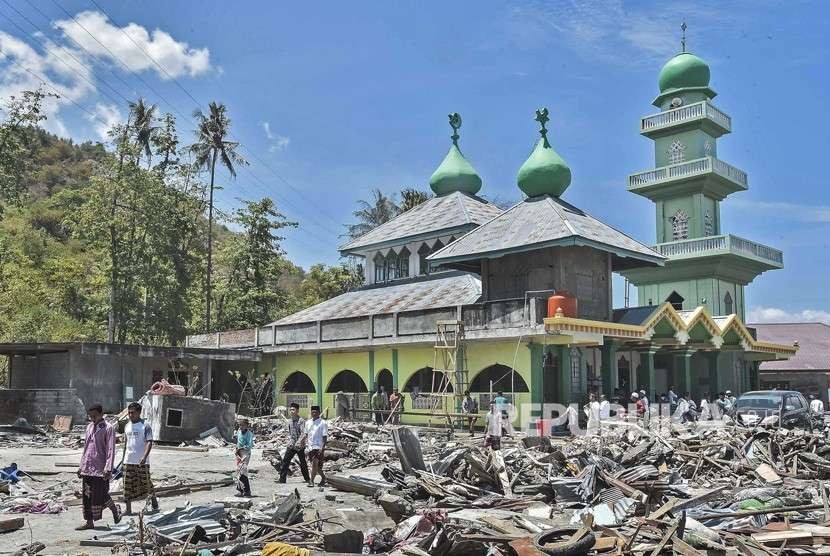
316 434
95 470
469 406
493 428
296 432
244 446
136 459
816 405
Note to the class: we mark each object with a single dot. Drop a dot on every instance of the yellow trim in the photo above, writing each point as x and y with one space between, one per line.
559 324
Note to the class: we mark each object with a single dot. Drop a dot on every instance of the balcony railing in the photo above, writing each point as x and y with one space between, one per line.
696 167
714 245
691 112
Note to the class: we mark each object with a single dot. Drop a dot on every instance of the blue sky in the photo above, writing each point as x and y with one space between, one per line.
333 99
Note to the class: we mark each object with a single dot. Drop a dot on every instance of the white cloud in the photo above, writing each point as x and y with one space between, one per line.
617 31
785 211
276 142
176 57
53 71
774 314
106 116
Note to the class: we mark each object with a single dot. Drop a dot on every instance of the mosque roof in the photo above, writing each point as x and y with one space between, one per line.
454 212
446 289
545 221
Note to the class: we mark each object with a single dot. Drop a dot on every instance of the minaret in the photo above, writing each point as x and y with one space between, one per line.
687 185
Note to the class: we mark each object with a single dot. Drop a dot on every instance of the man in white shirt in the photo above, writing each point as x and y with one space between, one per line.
604 407
816 405
316 434
138 441
493 428
592 412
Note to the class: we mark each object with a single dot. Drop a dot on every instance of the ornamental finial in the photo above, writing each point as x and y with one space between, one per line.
542 118
683 27
455 124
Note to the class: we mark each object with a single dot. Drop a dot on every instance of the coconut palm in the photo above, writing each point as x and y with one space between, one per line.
412 197
212 146
372 213
143 117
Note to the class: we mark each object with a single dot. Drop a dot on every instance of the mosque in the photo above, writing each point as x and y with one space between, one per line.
462 295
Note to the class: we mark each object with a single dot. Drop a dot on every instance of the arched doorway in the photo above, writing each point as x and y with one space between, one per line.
424 381
351 384
503 379
297 388
346 381
384 378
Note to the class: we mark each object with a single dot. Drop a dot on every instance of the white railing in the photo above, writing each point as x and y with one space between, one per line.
691 168
759 250
730 172
722 244
702 109
693 246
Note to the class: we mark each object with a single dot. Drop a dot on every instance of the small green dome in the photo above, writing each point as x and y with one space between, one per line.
455 173
684 71
544 172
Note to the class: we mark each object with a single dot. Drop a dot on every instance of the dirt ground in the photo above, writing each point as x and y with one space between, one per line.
57 532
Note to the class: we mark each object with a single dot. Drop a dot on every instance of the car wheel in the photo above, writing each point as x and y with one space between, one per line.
556 542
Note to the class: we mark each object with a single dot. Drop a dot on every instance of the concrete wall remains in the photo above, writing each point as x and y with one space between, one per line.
39 406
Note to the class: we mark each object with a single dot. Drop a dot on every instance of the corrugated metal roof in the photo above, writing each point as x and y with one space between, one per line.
438 213
813 345
540 222
433 292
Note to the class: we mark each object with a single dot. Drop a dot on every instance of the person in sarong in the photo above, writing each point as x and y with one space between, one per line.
138 441
95 470
244 446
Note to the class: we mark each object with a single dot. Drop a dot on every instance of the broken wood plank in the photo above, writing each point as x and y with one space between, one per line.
10 524
679 546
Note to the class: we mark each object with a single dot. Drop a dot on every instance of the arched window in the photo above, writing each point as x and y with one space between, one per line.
391 266
403 264
380 268
384 379
423 252
297 383
502 378
422 381
727 304
676 300
676 152
347 381
680 225
708 227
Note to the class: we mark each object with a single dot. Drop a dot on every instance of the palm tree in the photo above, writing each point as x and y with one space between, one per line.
372 214
212 146
411 198
143 117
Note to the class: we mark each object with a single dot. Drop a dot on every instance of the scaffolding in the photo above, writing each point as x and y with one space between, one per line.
449 369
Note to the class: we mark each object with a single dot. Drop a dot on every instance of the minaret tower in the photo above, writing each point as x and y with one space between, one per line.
689 181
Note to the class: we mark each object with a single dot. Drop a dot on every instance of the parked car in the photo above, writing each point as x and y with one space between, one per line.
770 406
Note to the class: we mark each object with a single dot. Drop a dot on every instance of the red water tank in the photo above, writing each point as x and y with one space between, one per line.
562 300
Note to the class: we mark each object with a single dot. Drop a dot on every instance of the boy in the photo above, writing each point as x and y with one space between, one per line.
96 468
244 445
316 434
138 441
296 433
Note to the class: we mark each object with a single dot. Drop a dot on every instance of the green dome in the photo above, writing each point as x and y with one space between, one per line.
684 71
455 174
544 172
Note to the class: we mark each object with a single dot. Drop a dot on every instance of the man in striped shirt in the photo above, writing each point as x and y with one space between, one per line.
296 431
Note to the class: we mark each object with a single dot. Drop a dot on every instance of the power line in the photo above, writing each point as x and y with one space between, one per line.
194 99
265 190
60 59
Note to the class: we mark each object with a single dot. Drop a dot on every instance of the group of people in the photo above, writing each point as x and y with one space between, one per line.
383 405
683 407
307 438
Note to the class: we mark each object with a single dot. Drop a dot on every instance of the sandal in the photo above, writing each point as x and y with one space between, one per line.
84 527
